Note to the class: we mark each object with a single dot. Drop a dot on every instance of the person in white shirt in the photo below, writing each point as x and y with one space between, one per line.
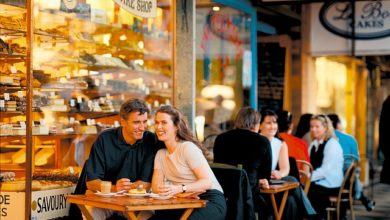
183 164
326 156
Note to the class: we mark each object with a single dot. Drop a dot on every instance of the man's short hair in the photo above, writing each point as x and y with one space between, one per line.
247 118
132 105
335 120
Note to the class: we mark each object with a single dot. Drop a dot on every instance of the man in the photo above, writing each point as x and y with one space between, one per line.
350 147
384 140
244 146
124 156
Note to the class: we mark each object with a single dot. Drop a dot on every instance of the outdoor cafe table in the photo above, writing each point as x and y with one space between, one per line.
273 189
130 205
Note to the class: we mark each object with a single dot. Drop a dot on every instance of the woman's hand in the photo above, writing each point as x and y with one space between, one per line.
276 175
264 183
169 190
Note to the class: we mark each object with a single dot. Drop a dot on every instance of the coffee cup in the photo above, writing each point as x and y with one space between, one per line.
105 187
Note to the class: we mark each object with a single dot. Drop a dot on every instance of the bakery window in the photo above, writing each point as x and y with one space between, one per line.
86 58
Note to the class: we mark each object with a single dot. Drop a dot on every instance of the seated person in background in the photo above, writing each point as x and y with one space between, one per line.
326 156
297 201
123 155
297 148
183 164
303 128
269 129
350 147
243 145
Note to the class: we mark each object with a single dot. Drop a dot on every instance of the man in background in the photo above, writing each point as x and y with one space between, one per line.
350 147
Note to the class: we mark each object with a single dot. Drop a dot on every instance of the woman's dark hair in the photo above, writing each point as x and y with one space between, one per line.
267 112
284 120
184 133
132 105
247 118
303 125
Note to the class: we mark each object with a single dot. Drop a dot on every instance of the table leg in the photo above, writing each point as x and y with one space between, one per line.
186 214
132 215
276 212
283 203
85 212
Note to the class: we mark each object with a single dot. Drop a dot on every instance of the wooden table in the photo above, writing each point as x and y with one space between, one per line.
130 205
273 189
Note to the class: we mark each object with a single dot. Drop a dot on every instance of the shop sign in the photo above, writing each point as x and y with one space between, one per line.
48 204
372 19
142 8
331 30
11 205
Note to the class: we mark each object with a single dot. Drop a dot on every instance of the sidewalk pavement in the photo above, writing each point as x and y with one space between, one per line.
380 193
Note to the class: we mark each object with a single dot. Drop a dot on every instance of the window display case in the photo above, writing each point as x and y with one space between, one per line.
87 58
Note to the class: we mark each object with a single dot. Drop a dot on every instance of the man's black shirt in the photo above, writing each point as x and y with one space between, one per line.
111 158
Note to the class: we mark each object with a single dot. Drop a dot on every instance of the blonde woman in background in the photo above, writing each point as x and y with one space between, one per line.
326 156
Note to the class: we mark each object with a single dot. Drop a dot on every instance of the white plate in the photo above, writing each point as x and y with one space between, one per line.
105 194
136 194
157 196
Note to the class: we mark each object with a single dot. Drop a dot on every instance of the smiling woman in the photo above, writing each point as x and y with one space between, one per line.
182 167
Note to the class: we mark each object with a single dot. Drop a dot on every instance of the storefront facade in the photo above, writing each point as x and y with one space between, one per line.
335 71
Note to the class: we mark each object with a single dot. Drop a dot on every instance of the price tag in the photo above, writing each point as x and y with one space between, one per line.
72 103
93 122
116 124
33 123
20 94
108 95
42 121
89 122
2 103
79 99
90 104
6 96
97 82
13 69
122 97
52 94
71 120
101 100
22 124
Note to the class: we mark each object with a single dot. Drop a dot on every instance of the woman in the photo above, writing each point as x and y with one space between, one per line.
269 128
183 164
297 206
326 156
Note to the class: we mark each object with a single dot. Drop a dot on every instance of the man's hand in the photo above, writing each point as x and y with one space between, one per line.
123 184
264 183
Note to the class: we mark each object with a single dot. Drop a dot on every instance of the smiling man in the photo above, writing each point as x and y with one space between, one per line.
124 156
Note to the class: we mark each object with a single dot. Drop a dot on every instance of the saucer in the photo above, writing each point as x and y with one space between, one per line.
105 194
157 196
136 194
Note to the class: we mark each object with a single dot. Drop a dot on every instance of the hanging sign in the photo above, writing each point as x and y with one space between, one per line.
142 8
332 21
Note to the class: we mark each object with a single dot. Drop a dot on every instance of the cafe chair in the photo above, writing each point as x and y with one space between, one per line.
237 191
345 195
305 170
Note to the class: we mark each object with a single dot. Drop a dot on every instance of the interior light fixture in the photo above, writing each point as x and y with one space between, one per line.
216 8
